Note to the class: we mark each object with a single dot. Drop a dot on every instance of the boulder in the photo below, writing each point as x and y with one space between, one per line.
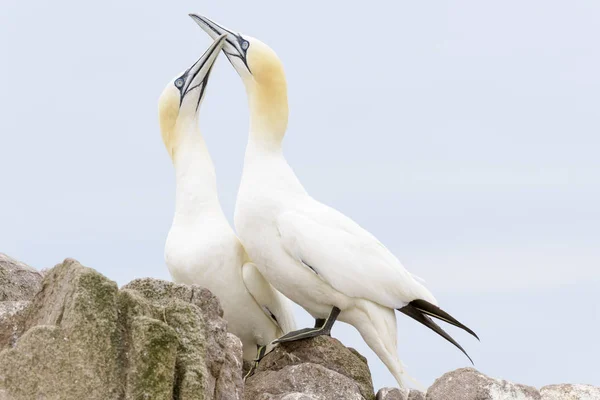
10 314
392 394
18 281
470 384
317 368
399 394
416 395
83 338
570 392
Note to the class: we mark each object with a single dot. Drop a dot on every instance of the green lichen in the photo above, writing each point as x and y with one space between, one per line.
152 358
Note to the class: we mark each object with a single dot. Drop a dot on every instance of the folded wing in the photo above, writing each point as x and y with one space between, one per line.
347 257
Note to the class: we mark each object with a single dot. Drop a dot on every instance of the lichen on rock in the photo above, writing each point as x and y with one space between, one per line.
82 338
74 335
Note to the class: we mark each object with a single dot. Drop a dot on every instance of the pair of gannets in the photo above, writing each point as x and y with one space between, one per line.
311 253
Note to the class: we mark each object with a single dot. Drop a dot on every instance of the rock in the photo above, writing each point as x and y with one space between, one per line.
302 381
318 368
18 281
570 392
470 384
399 394
416 395
10 314
392 394
83 338
209 357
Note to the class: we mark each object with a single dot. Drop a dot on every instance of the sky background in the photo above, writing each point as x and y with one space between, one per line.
465 136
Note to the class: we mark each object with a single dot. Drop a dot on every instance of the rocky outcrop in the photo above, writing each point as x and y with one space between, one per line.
72 334
570 392
320 368
399 394
18 281
18 284
470 384
83 338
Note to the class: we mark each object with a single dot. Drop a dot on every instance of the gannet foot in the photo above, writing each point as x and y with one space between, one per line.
325 329
262 350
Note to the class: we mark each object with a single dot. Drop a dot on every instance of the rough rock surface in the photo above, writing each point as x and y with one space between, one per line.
399 394
10 314
320 368
82 338
72 334
416 395
18 281
470 384
392 394
570 392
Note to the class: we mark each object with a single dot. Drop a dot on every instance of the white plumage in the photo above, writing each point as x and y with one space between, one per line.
201 247
313 254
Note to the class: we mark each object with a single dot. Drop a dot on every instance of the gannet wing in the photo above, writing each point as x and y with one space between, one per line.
274 304
347 257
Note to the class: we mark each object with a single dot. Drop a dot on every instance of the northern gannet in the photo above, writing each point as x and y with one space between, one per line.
313 254
201 247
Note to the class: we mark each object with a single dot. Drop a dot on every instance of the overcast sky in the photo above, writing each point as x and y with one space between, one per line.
465 136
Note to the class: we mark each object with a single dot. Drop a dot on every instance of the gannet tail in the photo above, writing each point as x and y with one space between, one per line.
420 310
436 312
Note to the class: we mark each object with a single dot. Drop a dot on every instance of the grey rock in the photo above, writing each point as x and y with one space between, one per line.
392 394
302 381
83 338
323 351
18 281
570 392
69 340
470 384
298 396
416 395
11 313
210 358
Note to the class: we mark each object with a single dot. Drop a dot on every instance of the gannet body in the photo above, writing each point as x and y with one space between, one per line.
201 247
313 254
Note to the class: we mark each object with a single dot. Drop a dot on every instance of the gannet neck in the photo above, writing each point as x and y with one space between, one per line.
196 191
268 105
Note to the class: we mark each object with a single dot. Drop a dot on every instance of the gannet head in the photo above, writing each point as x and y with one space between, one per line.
180 101
262 73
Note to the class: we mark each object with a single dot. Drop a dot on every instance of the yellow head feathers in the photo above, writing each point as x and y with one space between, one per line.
168 111
267 90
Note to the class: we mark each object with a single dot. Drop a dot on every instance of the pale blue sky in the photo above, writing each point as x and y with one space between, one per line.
464 135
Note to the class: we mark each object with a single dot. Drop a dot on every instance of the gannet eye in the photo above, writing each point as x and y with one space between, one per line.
245 45
179 83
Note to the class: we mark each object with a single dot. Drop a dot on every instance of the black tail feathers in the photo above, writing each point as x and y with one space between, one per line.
420 310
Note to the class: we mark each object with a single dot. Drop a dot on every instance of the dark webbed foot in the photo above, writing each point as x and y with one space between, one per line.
324 329
261 351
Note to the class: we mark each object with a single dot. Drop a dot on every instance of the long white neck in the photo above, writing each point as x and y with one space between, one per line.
196 193
268 123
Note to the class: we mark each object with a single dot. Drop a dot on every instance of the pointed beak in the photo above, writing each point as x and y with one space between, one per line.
196 77
235 47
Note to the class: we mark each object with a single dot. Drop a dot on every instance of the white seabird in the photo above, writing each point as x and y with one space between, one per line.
313 254
201 247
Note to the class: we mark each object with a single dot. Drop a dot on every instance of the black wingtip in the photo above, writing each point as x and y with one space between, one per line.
436 312
418 316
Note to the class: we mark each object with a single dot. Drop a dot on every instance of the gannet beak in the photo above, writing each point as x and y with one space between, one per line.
235 47
196 77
